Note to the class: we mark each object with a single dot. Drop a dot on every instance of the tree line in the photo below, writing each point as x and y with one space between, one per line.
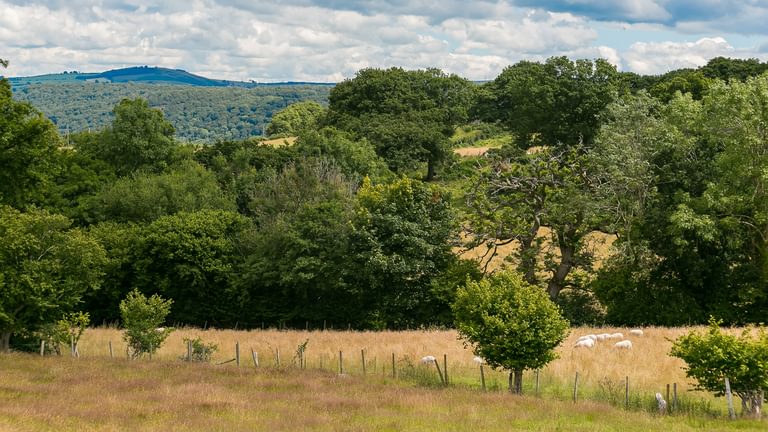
357 223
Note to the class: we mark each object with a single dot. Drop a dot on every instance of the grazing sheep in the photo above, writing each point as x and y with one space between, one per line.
428 359
160 329
617 336
586 343
478 360
625 344
589 336
603 336
636 332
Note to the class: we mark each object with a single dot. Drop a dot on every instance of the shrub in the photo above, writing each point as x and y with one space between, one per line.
65 332
714 356
201 351
142 318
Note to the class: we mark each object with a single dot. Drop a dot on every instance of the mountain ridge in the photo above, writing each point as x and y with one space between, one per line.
145 75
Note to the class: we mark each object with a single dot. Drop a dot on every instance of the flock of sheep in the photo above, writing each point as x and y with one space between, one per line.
589 341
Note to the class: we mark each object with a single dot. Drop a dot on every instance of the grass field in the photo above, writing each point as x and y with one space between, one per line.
96 392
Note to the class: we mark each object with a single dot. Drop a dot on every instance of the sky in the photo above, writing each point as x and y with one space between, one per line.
330 40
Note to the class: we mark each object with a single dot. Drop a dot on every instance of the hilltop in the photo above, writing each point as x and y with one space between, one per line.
144 75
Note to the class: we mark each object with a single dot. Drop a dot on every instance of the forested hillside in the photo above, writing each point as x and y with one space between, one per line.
198 113
356 223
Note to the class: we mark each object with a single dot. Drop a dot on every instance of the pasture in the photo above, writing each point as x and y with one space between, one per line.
96 392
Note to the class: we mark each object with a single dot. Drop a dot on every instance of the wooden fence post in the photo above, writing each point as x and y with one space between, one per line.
674 397
362 355
189 350
237 353
277 356
482 377
111 354
729 398
575 386
341 362
626 392
445 368
439 373
394 370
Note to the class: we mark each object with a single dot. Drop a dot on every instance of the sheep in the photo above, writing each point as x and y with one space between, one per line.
478 360
160 329
589 336
625 344
586 343
603 336
636 332
661 403
428 359
616 336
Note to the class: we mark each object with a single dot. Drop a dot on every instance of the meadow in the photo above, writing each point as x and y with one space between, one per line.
97 392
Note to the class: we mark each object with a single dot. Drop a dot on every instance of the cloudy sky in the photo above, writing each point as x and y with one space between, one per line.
329 40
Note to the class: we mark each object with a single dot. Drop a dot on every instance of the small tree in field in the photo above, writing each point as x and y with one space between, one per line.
511 324
714 356
142 318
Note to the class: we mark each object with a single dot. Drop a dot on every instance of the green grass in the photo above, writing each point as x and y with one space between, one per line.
102 394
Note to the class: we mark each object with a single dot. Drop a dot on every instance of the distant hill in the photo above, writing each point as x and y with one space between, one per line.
141 74
201 109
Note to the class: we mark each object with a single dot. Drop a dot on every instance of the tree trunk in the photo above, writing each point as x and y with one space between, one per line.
430 170
567 253
529 254
5 341
516 381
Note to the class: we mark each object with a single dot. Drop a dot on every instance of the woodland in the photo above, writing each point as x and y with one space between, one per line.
363 220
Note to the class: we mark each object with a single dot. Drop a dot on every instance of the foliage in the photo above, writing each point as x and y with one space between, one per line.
407 115
65 332
355 158
139 138
554 103
204 114
403 232
142 318
713 356
201 351
510 323
45 268
295 119
28 143
190 258
144 197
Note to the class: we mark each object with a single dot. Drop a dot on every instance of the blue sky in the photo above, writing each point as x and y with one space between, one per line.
329 40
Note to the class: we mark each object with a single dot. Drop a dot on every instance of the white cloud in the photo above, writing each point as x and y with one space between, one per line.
659 57
328 40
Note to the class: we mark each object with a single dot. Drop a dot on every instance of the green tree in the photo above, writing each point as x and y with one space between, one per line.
45 268
142 318
144 197
522 193
295 119
355 158
28 146
139 138
409 116
295 271
403 233
713 356
554 103
190 257
511 324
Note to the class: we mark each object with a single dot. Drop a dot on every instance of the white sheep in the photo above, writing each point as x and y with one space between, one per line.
428 359
636 332
160 329
586 343
589 336
603 336
661 404
617 336
625 344
478 360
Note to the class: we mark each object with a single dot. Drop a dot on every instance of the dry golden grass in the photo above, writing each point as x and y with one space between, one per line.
471 151
648 365
280 142
101 394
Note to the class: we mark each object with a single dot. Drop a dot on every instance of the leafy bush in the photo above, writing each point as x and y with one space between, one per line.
201 351
510 323
65 332
714 356
142 318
